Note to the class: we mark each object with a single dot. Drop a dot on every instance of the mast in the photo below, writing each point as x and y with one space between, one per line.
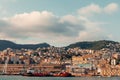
5 66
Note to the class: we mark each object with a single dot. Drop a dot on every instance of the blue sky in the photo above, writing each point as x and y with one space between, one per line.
59 22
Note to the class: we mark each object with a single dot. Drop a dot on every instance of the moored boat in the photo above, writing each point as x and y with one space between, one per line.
32 73
62 74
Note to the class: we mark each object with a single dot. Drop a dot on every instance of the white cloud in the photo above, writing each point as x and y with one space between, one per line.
110 8
89 10
34 18
96 9
70 18
44 22
92 32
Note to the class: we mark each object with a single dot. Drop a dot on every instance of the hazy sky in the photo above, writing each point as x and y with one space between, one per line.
59 22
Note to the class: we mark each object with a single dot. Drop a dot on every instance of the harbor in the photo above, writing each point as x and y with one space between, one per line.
61 62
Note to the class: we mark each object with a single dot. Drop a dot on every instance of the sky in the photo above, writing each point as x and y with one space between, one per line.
59 22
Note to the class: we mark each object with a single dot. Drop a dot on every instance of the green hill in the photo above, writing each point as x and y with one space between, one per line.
8 44
95 45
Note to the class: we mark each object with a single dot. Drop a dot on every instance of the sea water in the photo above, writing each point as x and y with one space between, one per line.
3 77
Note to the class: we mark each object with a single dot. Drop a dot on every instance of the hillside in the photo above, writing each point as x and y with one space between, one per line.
8 44
95 45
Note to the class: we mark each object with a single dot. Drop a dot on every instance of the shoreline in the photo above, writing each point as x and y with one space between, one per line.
54 76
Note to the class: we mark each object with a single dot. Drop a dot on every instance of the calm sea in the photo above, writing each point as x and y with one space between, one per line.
56 78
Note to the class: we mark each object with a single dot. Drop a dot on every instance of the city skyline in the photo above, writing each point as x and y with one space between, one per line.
59 23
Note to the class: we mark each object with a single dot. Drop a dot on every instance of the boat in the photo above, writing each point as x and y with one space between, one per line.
37 74
27 74
47 74
32 73
62 74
